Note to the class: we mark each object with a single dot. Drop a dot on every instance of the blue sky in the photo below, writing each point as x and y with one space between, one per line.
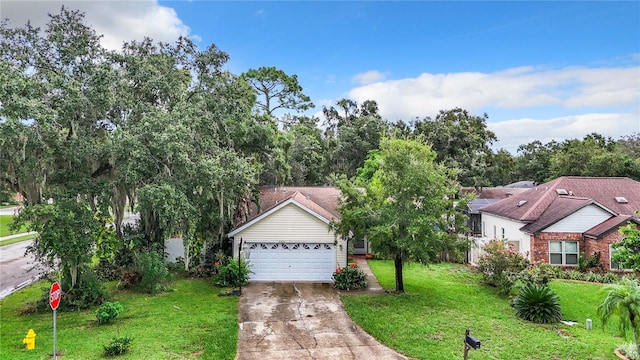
541 70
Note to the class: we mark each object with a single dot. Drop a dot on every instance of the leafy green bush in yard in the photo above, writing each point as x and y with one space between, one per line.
538 303
349 278
153 270
89 291
108 311
539 273
118 346
232 275
498 265
586 263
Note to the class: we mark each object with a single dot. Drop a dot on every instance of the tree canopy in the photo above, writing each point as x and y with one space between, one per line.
408 209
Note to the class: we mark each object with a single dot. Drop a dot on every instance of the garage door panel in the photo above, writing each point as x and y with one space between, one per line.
291 261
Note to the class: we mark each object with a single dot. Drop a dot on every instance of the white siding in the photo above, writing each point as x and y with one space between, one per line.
511 231
291 224
581 220
174 248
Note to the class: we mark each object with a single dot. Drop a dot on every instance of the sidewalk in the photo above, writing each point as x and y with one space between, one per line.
9 237
374 286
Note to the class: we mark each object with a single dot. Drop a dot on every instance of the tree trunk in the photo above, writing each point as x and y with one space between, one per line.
398 264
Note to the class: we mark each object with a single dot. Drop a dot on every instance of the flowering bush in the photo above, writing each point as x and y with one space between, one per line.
538 273
350 277
499 263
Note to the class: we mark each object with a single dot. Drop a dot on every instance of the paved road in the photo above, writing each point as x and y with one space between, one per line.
9 211
16 269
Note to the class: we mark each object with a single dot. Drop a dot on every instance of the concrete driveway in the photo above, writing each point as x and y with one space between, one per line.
301 321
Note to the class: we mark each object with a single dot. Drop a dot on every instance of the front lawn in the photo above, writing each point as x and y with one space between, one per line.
441 301
5 221
190 322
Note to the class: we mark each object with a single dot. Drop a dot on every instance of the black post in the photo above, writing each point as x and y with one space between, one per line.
466 346
240 267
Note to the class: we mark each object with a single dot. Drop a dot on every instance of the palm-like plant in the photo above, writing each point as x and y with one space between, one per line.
538 303
623 300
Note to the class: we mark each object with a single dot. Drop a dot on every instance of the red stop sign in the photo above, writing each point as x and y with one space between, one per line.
54 295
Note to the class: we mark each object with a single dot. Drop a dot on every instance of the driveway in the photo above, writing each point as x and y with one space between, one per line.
301 321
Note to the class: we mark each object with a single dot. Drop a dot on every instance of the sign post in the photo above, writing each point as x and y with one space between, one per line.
54 300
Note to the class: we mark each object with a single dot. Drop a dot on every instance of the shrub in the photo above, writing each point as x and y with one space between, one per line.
118 346
88 292
539 273
610 277
574 275
108 270
349 278
153 272
538 303
108 311
586 263
498 265
232 274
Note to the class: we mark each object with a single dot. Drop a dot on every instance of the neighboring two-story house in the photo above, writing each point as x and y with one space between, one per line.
558 220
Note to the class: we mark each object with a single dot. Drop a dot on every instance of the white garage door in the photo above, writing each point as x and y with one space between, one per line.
291 262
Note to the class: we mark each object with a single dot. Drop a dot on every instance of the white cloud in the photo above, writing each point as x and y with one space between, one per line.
369 77
513 133
602 100
118 21
516 88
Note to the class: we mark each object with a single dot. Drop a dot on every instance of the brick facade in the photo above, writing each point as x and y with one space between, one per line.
540 245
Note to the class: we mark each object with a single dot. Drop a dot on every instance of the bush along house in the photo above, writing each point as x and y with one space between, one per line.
558 220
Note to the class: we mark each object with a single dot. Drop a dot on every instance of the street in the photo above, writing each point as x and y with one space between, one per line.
16 269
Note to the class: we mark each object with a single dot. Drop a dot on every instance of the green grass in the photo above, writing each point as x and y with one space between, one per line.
190 322
17 239
5 221
441 301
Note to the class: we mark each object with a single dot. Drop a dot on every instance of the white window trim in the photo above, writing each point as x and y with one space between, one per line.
564 253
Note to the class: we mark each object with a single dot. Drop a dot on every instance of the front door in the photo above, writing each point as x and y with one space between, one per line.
360 247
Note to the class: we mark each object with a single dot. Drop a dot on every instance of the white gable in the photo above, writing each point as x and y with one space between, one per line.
581 220
290 223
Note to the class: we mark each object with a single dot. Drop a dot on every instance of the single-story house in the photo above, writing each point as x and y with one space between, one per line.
558 220
286 235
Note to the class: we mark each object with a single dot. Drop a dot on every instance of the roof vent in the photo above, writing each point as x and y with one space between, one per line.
621 199
562 192
521 202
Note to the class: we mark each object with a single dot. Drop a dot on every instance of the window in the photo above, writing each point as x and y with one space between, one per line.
563 252
513 245
495 235
612 264
502 229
